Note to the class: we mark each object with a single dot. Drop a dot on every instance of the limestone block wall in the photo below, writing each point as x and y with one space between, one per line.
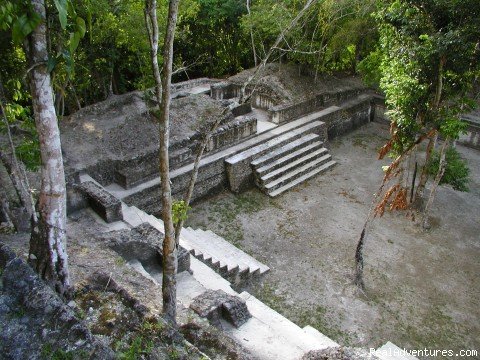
281 114
348 117
379 110
226 90
211 179
192 83
232 133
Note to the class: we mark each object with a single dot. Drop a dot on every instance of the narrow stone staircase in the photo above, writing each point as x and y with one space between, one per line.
223 257
290 164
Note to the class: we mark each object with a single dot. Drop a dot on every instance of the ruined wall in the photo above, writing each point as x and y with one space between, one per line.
211 179
212 176
226 90
281 114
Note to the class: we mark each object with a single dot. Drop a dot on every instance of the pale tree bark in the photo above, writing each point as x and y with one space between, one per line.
432 141
196 167
48 254
441 170
162 92
255 58
419 194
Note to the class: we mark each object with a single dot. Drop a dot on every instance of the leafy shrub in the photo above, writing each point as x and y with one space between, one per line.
456 170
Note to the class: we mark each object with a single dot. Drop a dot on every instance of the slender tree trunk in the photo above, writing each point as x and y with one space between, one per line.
273 48
162 92
431 144
48 241
441 170
424 174
196 166
15 169
255 58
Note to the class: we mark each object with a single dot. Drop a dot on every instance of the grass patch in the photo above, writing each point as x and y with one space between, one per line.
221 215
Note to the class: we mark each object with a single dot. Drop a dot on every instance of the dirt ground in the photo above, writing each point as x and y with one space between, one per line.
422 287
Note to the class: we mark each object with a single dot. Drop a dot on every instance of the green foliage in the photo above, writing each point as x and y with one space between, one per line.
210 34
428 62
179 211
49 353
333 35
369 68
456 170
138 347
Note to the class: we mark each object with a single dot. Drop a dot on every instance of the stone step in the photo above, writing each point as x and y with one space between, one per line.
321 153
302 178
277 163
240 256
289 175
231 262
390 351
133 216
272 156
311 331
278 141
220 255
284 328
260 340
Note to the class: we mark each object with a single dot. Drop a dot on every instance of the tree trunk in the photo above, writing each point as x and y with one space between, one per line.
359 259
251 36
196 166
273 48
16 170
162 92
48 241
424 174
441 170
431 144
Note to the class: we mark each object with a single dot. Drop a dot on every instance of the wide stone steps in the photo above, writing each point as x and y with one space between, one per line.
272 336
290 164
308 157
278 163
301 179
304 141
220 255
275 142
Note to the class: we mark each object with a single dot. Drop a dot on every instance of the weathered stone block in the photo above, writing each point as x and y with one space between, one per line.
216 304
102 202
144 243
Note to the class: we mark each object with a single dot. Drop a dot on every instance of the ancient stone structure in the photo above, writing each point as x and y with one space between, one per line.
217 304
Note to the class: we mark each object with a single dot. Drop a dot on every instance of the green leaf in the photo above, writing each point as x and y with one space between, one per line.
81 27
74 41
51 63
23 26
62 6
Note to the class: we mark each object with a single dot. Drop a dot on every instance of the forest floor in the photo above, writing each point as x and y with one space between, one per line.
422 287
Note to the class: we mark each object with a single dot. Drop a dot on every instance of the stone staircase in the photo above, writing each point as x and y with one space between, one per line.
270 335
223 257
226 259
291 164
